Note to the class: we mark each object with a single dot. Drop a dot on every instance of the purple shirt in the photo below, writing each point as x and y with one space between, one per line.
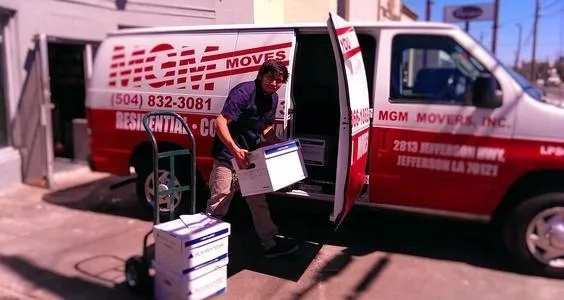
250 112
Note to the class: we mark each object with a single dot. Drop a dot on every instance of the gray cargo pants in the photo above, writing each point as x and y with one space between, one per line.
223 185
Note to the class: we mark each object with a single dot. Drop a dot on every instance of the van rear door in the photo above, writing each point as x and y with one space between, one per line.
354 129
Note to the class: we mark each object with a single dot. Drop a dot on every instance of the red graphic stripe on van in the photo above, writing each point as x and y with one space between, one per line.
238 71
351 53
343 30
245 51
211 48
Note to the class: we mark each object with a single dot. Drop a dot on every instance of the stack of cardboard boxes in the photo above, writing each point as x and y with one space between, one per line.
191 257
191 253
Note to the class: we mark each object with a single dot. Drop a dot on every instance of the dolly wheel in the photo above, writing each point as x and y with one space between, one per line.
137 273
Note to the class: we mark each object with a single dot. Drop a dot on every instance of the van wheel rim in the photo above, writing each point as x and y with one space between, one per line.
545 237
165 183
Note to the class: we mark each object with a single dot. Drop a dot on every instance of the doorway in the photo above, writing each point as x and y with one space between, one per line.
69 66
67 83
3 71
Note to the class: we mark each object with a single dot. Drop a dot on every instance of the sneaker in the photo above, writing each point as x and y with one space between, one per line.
282 247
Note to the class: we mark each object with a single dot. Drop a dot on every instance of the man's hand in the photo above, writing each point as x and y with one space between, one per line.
239 154
241 158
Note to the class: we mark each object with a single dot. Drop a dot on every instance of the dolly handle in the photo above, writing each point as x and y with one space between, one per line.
156 160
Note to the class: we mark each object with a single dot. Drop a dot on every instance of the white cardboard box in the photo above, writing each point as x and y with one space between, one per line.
169 286
273 167
192 245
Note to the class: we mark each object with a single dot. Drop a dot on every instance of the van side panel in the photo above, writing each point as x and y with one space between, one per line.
188 73
136 74
443 156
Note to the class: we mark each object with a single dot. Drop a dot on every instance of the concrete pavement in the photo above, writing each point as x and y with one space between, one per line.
71 244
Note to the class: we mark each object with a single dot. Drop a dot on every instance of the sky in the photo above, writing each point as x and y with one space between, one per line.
550 41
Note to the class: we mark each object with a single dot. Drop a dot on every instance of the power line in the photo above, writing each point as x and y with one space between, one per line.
539 46
518 18
551 4
529 16
528 38
554 13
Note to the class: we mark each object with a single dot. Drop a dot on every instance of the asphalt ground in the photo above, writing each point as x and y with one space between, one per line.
71 243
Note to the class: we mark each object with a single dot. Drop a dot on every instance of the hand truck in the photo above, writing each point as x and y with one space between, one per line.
137 267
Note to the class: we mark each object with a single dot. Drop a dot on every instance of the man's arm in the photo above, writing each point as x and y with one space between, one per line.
223 132
232 108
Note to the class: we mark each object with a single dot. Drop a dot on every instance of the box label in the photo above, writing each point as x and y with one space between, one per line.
207 237
210 262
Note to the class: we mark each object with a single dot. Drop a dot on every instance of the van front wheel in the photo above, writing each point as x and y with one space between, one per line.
534 234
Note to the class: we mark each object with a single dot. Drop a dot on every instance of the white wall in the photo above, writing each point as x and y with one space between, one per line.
268 11
297 11
363 10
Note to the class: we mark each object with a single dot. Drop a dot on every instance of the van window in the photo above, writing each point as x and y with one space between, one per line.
431 69
368 48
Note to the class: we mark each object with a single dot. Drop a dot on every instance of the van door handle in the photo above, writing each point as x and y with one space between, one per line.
382 145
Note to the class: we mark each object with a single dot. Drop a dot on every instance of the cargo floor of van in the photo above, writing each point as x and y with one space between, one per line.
315 113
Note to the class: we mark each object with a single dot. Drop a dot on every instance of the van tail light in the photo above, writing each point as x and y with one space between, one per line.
88 130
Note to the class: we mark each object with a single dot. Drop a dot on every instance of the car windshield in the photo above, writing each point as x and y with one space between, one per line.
527 86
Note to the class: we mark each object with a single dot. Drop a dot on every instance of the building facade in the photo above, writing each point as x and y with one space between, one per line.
296 11
47 48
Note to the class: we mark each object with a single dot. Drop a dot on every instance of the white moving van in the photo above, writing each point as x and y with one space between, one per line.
412 116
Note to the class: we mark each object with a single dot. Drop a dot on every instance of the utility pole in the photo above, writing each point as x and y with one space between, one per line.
535 32
518 52
428 5
495 25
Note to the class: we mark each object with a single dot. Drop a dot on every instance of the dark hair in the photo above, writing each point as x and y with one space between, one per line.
273 66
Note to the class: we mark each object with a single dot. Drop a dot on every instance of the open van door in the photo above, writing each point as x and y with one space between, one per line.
354 126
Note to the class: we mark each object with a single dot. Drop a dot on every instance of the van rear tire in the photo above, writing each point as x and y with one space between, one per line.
182 200
144 185
532 230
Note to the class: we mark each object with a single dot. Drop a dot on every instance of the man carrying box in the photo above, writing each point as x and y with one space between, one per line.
248 114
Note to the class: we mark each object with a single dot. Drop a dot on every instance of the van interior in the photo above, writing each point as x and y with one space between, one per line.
316 111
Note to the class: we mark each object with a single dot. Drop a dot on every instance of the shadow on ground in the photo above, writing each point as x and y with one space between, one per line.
363 232
64 287
110 195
